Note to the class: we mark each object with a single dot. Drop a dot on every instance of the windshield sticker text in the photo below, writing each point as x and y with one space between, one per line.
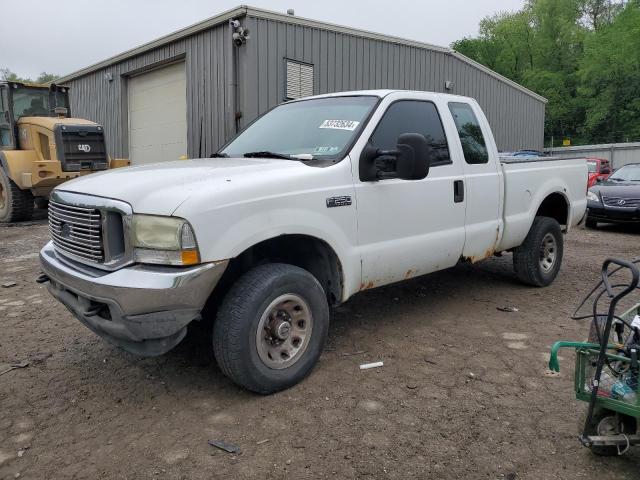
340 124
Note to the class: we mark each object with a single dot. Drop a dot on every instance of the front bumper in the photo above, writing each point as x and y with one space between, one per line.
143 309
600 213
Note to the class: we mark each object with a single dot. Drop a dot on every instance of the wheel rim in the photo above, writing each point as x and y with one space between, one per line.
608 426
548 252
284 331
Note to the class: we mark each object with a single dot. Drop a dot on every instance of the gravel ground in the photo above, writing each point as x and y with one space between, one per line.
462 393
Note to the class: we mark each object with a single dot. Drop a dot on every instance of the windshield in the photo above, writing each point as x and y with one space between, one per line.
592 166
629 173
321 128
35 102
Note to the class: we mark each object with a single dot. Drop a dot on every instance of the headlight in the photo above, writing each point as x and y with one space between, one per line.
163 240
593 196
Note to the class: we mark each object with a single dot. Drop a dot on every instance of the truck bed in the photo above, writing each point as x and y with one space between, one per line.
527 183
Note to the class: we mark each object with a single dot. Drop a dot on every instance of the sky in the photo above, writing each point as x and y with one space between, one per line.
66 35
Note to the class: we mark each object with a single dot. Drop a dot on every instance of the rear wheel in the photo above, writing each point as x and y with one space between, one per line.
537 261
15 204
271 327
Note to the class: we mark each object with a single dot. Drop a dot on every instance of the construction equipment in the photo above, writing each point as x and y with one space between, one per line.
41 147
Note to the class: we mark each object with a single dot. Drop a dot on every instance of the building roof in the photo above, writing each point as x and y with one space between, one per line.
244 10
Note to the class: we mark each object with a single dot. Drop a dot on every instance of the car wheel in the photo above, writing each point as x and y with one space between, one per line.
537 261
15 204
591 223
271 328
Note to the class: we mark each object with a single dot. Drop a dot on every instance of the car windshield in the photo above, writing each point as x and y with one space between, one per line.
592 166
629 173
35 102
318 128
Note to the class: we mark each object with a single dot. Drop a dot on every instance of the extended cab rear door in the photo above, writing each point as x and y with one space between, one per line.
483 184
409 227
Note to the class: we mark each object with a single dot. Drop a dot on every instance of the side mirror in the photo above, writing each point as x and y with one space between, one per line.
605 171
413 156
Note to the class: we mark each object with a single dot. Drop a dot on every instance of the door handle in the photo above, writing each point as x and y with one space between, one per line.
458 191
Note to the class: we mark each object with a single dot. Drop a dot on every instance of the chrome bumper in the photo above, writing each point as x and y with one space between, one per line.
143 309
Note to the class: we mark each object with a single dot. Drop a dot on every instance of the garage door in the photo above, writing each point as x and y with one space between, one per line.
158 115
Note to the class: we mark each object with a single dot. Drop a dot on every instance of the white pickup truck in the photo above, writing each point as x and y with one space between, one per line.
315 201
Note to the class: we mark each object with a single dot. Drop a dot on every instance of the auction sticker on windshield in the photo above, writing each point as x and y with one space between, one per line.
340 124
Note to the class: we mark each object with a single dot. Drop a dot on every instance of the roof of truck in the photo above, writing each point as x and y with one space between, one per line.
382 93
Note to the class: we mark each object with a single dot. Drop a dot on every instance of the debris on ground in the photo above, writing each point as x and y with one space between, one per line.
15 366
227 447
412 386
471 375
430 361
9 284
367 366
351 354
262 441
508 309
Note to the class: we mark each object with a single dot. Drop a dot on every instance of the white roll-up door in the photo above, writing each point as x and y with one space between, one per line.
158 115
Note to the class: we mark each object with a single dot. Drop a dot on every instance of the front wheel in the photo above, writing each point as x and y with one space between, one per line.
591 223
606 423
271 327
15 204
537 261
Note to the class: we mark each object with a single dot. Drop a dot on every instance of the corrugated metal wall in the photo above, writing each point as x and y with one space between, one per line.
206 56
342 61
348 62
618 154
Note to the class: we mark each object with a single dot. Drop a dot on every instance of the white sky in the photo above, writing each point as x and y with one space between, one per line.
65 35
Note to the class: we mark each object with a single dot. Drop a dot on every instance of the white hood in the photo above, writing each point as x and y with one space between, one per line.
162 187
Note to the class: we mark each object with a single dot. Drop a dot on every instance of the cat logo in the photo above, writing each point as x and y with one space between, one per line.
83 147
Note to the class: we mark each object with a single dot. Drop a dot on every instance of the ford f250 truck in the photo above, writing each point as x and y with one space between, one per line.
315 201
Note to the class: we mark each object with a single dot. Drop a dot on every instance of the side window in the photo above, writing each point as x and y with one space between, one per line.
5 128
412 116
470 133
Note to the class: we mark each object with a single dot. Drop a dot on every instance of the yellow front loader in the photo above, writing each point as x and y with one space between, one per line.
41 147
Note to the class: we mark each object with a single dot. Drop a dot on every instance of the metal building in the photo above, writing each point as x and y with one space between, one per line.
185 94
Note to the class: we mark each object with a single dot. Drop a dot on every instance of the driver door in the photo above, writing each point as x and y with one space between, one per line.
410 227
7 140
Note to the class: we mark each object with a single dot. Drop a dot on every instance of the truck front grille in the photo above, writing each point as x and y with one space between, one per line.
621 202
76 231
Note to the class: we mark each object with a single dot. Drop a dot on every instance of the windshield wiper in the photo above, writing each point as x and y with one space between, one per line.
268 154
218 155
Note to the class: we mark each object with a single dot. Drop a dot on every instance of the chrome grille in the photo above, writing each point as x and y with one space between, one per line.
76 231
621 202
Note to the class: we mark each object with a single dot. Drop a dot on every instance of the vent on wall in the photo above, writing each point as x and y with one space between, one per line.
299 81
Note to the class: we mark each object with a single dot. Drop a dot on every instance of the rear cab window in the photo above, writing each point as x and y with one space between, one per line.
472 140
412 116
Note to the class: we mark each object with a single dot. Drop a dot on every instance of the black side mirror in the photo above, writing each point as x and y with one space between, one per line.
413 156
605 171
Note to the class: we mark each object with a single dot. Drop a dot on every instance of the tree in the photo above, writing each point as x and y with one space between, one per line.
7 74
582 55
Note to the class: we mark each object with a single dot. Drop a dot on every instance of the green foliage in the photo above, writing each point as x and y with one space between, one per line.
44 77
582 55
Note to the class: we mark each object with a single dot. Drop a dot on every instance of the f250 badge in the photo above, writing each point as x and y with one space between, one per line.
83 147
343 201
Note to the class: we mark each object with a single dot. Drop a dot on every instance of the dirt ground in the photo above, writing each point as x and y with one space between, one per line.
462 393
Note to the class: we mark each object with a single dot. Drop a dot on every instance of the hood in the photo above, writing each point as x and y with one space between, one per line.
612 188
50 122
162 187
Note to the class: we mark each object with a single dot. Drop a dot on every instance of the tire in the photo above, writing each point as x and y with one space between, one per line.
532 260
591 223
254 360
15 204
627 425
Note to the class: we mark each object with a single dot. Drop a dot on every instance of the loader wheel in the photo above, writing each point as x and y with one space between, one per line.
537 261
15 204
271 327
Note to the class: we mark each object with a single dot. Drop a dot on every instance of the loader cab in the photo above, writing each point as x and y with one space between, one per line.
19 100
